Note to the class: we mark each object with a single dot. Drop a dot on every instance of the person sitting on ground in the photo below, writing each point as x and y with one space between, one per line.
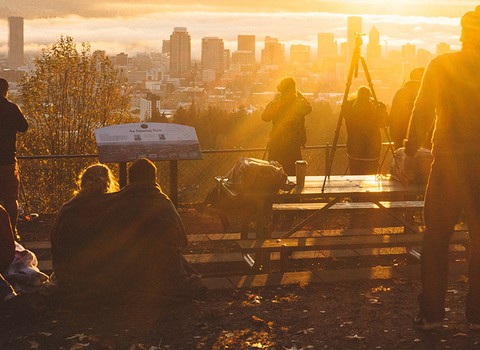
156 237
70 235
7 254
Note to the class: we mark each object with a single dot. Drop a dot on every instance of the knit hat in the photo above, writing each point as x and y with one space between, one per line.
471 27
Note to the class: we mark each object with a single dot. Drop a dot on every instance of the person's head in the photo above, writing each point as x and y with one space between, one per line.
470 23
96 179
142 170
417 73
286 86
363 93
3 87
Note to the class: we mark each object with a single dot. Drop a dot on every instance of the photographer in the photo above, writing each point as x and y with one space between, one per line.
287 113
364 119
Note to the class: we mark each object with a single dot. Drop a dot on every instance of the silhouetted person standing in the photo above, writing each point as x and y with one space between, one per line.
11 122
287 113
449 96
402 106
364 139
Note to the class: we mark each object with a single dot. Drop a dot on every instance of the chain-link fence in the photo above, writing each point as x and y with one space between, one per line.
49 181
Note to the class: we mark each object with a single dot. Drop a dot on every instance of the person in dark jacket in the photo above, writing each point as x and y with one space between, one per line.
287 113
402 106
364 120
11 122
449 97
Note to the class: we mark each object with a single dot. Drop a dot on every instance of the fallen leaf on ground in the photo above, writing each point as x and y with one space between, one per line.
257 319
79 346
33 344
355 336
79 336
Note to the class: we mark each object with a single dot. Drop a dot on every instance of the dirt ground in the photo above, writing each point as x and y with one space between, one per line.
371 314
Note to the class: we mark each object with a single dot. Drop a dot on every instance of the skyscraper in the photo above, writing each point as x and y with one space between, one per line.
246 43
213 55
273 53
299 54
374 50
180 52
15 42
443 48
354 26
326 45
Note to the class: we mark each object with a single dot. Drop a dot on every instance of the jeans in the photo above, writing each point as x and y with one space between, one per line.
453 189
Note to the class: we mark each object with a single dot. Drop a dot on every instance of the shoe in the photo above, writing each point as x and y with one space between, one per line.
424 325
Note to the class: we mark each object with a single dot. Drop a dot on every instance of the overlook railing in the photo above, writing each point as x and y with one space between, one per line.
49 181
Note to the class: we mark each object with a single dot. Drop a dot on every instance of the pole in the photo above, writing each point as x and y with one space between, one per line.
174 181
353 68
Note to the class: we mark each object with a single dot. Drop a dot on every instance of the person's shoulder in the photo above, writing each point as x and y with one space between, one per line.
446 59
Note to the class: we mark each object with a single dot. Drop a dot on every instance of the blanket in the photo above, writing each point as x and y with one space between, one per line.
112 243
23 273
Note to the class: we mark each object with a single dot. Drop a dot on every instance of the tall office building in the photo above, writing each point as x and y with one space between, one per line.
374 50
246 43
326 46
166 46
15 42
443 48
274 52
180 52
213 55
354 26
299 54
408 51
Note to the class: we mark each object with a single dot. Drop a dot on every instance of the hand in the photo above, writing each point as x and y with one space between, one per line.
407 169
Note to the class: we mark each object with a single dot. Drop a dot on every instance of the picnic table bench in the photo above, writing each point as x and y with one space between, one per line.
252 248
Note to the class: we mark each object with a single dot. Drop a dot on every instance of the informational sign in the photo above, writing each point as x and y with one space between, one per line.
155 141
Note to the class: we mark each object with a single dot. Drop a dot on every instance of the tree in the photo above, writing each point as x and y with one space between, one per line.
67 95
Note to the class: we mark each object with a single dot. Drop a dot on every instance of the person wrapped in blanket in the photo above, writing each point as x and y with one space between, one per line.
119 244
7 254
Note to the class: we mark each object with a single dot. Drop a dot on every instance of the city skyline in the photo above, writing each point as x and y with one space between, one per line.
146 32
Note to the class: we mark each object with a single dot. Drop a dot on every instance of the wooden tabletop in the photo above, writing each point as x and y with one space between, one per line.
354 185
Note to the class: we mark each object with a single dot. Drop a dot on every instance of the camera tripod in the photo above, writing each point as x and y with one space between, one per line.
353 71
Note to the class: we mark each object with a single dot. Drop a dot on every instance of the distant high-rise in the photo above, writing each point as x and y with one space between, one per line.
166 46
15 42
374 50
299 54
246 43
213 55
273 53
354 26
121 59
180 52
408 51
443 48
326 46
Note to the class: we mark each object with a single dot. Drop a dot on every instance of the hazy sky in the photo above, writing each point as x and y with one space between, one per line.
140 26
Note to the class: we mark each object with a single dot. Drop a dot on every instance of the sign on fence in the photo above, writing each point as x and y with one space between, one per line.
155 141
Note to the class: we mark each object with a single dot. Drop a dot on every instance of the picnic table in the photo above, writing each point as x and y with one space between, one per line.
354 193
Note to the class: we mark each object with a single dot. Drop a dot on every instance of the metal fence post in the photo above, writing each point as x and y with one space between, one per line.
327 156
174 181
